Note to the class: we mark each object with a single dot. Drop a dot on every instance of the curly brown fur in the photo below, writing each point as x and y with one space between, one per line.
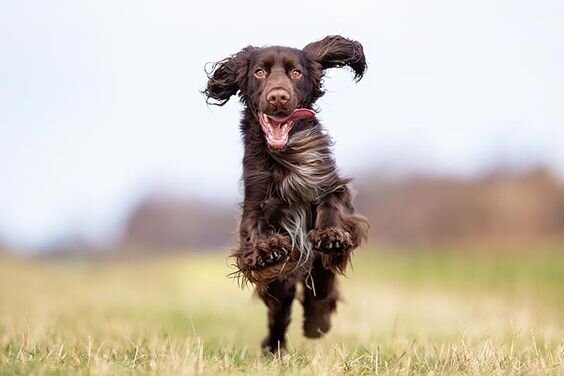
298 222
267 259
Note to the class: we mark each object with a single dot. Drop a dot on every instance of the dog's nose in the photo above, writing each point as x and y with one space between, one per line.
278 97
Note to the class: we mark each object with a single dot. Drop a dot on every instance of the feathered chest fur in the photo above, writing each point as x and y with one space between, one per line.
308 173
308 169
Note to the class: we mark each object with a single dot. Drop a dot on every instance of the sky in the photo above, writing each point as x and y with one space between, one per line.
100 101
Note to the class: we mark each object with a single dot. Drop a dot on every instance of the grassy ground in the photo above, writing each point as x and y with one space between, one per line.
403 314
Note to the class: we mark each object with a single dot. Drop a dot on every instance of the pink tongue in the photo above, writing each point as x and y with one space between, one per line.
276 128
297 114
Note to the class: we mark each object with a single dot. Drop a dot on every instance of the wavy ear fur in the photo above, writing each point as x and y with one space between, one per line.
336 51
227 77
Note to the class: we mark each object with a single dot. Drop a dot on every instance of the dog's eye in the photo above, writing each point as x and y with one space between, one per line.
296 73
260 73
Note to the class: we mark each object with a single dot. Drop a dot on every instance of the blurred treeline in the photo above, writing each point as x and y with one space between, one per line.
498 208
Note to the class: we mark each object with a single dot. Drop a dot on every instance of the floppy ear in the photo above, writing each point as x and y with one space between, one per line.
336 51
227 77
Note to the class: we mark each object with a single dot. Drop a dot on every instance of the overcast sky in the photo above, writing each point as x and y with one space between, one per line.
100 102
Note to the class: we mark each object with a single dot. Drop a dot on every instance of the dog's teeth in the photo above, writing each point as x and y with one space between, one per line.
319 244
275 254
337 244
330 245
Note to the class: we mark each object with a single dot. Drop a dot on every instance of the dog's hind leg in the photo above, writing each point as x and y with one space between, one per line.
278 297
319 300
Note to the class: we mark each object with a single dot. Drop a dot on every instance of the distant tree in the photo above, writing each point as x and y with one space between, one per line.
166 222
499 207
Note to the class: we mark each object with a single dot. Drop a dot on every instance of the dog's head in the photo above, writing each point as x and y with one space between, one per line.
280 84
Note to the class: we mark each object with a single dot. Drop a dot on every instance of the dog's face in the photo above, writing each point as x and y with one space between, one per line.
278 80
280 84
278 90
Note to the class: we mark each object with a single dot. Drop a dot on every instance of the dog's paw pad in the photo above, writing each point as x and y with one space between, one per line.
273 250
267 259
275 256
330 240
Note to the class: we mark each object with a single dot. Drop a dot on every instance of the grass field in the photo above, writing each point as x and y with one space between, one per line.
404 313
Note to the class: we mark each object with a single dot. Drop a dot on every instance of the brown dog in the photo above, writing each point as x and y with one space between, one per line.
298 221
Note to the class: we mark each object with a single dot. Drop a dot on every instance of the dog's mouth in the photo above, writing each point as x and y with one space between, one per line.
277 128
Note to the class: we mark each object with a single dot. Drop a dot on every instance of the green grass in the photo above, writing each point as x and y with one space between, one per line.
404 313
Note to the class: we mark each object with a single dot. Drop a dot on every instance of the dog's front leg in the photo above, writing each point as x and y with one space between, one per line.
338 230
262 258
263 254
259 246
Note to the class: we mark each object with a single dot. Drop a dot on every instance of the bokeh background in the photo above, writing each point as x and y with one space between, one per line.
110 158
455 133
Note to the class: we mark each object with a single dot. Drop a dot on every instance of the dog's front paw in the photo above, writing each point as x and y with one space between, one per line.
330 240
267 259
334 245
272 250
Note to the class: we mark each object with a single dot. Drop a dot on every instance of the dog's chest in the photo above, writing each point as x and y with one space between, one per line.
302 182
299 186
305 170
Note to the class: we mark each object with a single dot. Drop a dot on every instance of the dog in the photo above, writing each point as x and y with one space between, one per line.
298 221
